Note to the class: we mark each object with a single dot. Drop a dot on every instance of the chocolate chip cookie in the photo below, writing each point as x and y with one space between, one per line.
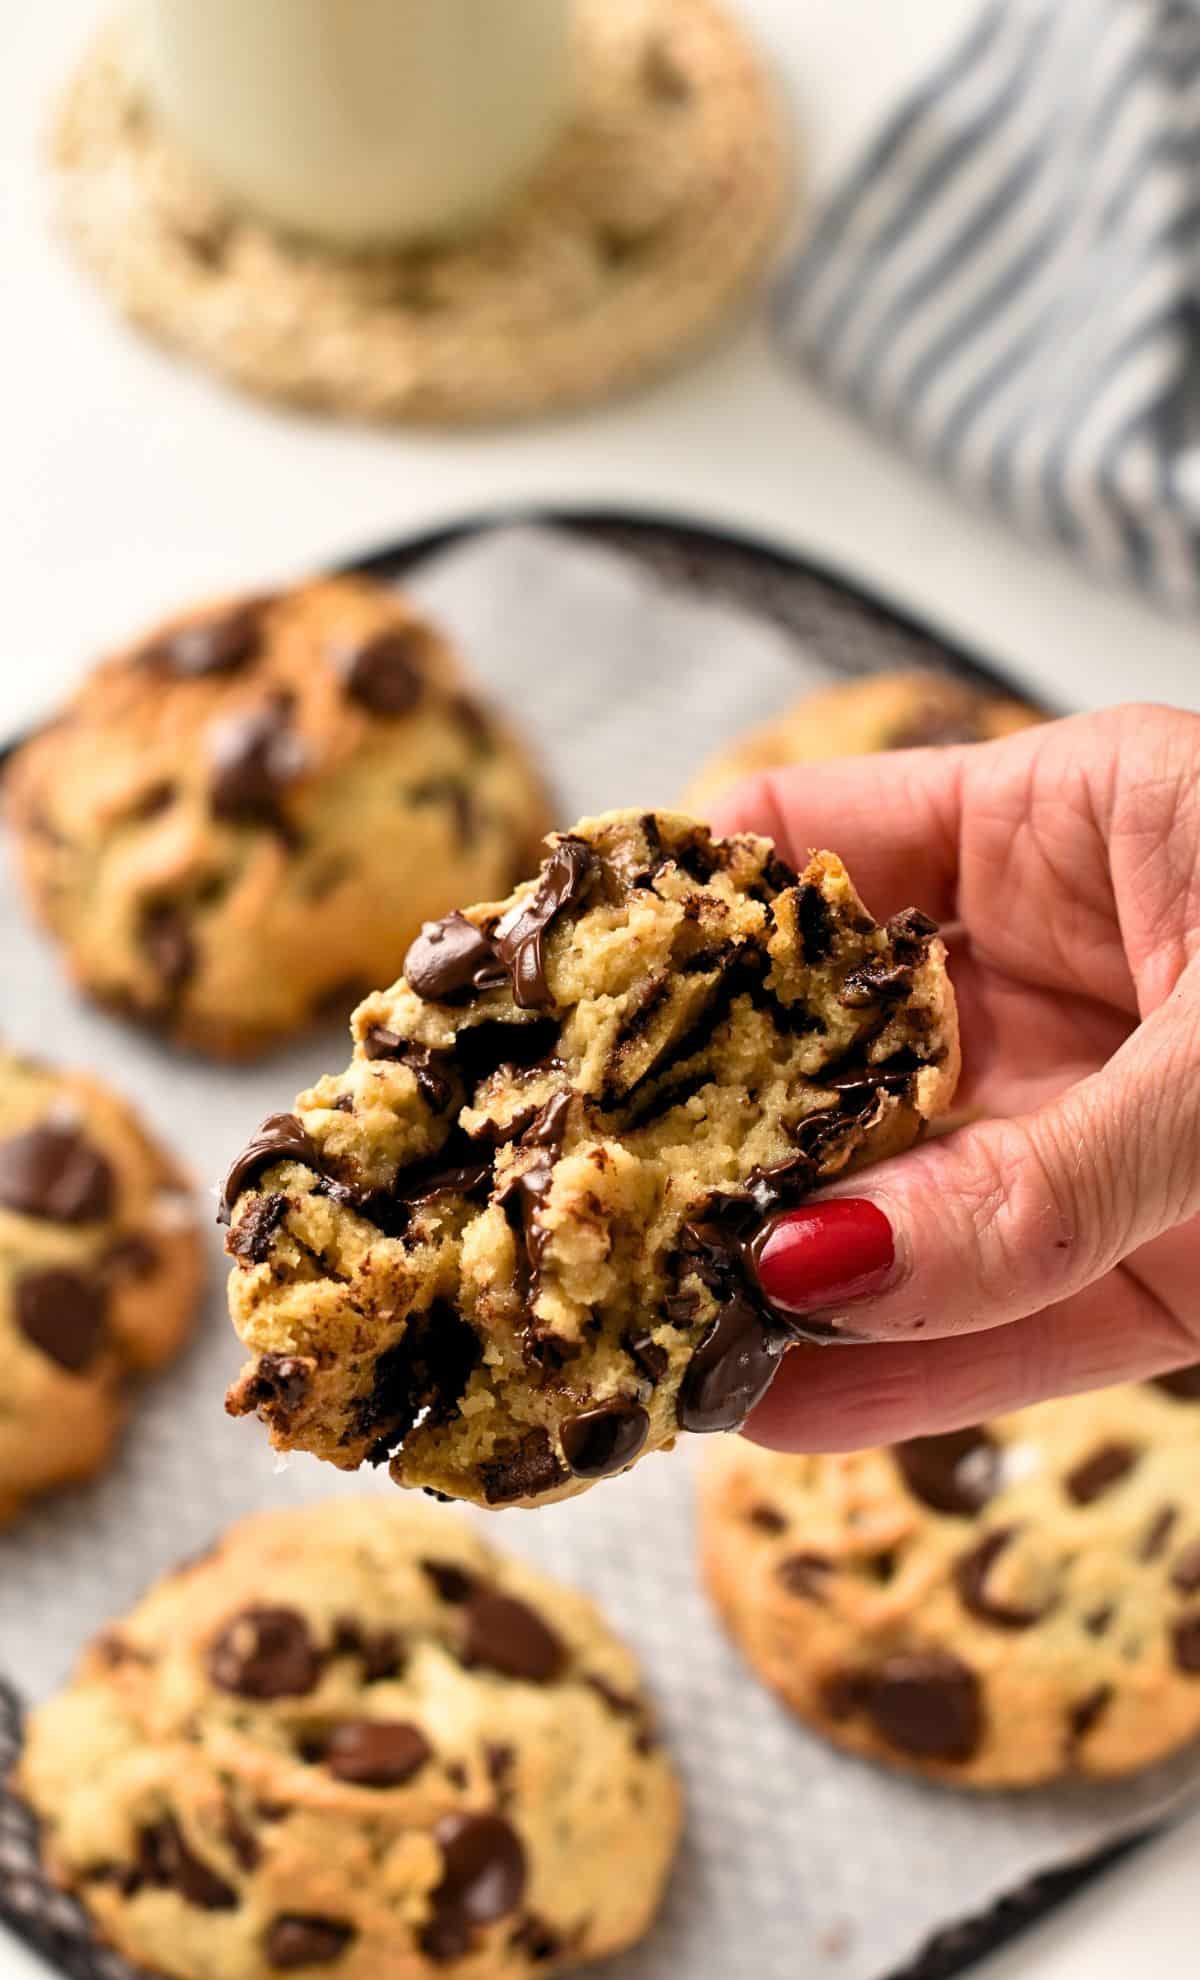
995 1608
883 711
100 1267
355 1737
510 1249
239 824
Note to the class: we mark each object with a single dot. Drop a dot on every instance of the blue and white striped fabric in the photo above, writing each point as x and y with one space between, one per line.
1008 284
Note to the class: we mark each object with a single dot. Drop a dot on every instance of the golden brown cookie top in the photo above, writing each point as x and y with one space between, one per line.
242 818
357 1733
996 1606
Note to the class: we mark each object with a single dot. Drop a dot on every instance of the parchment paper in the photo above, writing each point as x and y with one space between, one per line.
796 1860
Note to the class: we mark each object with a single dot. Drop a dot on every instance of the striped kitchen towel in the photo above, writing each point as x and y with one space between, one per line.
1008 283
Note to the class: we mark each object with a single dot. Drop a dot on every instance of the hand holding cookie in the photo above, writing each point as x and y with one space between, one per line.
1051 1244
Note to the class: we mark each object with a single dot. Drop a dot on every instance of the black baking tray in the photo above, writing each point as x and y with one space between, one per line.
854 631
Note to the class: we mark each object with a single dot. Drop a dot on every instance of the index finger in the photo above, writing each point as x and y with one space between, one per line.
895 821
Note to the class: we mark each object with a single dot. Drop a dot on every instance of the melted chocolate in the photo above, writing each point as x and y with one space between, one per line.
281 1138
520 936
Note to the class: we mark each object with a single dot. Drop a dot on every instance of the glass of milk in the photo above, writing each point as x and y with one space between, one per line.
362 122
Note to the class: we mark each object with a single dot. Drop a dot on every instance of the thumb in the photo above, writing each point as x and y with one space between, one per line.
1004 1218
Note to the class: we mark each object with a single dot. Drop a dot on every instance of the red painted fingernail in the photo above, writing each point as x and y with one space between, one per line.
824 1254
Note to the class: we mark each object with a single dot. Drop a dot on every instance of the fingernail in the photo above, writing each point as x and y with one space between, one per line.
824 1254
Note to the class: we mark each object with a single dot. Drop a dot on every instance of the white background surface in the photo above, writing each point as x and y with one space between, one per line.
127 482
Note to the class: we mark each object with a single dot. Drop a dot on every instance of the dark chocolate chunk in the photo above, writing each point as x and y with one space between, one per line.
520 936
910 933
599 1442
1088 1712
377 1753
767 1520
805 1574
927 1703
731 1370
647 1355
242 1841
250 1241
255 757
1181 1383
219 644
63 1314
381 1650
450 957
1098 1473
432 1070
531 1186
383 673
843 1693
879 980
281 1138
165 938
265 1653
522 1471
165 1860
56 1173
815 923
971 1573
423 1373
954 1473
293 1940
1158 1533
1185 1642
1098 1621
1185 1571
506 1635
453 1583
483 1878
500 1762
280 1383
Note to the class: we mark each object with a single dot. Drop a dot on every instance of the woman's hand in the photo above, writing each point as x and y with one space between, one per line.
1053 1242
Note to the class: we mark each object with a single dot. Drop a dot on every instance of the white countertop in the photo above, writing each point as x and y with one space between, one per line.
128 482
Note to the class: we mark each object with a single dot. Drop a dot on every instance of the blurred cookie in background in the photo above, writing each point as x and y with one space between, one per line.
993 1608
882 711
357 1735
100 1270
240 822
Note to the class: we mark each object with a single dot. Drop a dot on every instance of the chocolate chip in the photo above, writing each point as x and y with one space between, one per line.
242 1841
520 936
599 1442
1181 1383
1185 1572
537 1940
63 1314
500 1761
1100 1472
1088 1712
453 1583
423 1373
293 1940
255 757
1098 1621
680 1309
483 1879
815 923
506 1635
376 1753
381 1650
927 1703
531 1185
644 1351
265 1653
731 1370
971 1573
805 1574
382 673
165 938
165 1860
879 980
55 1173
1185 1641
955 1473
280 1382
522 1471
250 1242
767 1520
431 1069
219 644
281 1138
452 956
1158 1533
910 933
